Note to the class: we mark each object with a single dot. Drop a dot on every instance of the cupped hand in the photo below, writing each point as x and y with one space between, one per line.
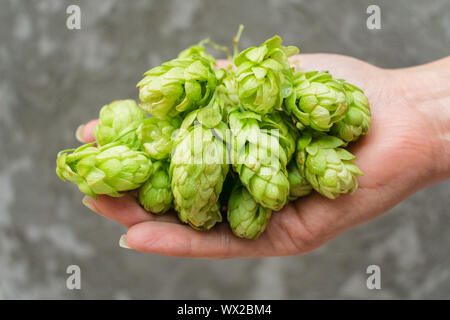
398 157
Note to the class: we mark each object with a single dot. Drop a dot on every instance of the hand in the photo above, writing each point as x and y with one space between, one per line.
406 149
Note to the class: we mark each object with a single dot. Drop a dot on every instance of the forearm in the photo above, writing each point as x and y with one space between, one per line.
427 89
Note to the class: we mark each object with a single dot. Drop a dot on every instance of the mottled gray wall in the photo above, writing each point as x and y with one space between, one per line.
53 79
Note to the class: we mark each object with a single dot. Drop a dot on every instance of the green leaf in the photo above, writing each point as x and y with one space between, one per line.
291 51
189 119
327 142
209 117
344 154
259 72
274 42
257 54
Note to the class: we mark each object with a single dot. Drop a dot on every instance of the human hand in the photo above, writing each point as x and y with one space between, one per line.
407 148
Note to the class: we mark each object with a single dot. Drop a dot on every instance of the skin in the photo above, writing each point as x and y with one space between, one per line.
407 149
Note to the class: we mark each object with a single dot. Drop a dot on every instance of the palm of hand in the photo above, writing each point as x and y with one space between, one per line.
394 145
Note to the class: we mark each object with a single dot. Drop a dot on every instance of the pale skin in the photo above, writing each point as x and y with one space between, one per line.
407 149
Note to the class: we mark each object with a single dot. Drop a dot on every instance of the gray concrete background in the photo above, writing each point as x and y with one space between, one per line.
53 79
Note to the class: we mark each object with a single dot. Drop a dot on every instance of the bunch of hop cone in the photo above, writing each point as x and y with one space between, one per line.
232 143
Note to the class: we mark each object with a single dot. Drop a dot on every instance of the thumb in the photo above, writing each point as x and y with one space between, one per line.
85 132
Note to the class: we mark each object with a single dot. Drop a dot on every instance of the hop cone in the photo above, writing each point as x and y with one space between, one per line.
227 91
155 195
106 170
176 86
246 217
327 167
155 136
299 186
357 118
198 170
259 160
202 221
118 120
197 50
317 100
287 132
262 75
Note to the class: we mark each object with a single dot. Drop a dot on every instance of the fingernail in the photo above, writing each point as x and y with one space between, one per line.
123 242
87 202
79 133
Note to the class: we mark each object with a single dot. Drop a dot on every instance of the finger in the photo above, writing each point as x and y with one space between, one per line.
340 66
182 241
124 210
323 219
297 229
321 61
85 132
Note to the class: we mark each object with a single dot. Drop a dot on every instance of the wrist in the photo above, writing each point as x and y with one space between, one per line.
427 89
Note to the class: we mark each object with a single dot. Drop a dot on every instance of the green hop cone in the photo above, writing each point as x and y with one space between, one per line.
155 195
118 120
227 91
179 85
109 169
155 136
198 169
246 217
327 167
197 50
259 159
299 186
208 218
263 75
317 100
287 132
357 118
